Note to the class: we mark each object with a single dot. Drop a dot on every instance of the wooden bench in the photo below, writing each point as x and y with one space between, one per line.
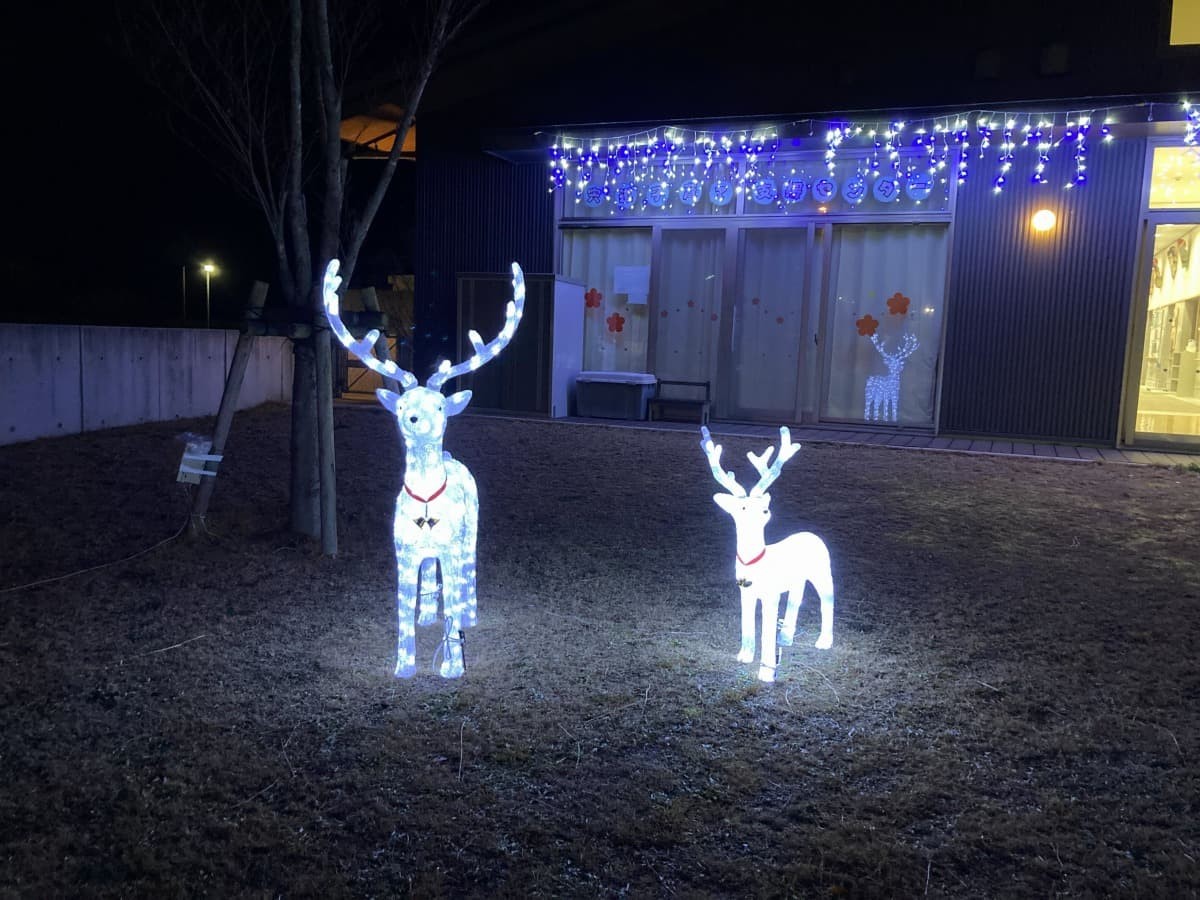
680 398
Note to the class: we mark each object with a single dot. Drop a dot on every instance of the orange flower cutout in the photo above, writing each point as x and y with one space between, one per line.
592 298
898 304
615 322
867 325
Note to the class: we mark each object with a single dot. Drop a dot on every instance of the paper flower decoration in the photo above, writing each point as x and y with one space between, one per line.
616 322
897 304
867 325
593 298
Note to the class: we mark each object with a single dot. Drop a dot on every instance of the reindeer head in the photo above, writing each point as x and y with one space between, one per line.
749 511
895 361
421 412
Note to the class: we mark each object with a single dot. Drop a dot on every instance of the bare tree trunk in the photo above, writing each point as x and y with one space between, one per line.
305 500
325 452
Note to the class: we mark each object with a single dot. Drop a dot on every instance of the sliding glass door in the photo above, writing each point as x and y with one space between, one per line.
770 319
687 308
1167 402
882 323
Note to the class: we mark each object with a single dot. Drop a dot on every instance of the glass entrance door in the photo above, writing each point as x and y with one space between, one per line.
766 377
1168 386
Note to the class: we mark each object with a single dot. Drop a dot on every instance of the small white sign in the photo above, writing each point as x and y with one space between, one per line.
633 281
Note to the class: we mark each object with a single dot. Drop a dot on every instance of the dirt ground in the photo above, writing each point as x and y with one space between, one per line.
1009 709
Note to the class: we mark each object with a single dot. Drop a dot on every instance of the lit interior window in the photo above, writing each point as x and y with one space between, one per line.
1185 22
1175 177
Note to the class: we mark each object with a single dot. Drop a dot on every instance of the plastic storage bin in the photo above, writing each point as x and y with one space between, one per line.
613 395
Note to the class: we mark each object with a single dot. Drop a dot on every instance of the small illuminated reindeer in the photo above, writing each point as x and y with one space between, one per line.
883 391
437 510
766 571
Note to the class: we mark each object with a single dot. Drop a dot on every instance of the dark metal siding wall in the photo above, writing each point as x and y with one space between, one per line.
1035 334
475 213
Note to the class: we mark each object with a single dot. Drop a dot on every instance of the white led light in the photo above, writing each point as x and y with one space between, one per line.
882 394
437 511
765 572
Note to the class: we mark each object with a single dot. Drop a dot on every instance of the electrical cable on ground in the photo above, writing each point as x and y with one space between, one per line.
22 587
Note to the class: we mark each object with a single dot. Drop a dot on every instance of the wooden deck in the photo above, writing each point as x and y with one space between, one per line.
916 440
898 438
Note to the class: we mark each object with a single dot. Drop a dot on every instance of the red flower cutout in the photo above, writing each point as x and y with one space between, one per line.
714 317
754 301
867 325
663 314
779 320
897 304
615 322
691 303
592 298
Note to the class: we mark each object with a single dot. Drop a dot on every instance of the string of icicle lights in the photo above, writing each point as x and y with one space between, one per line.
661 165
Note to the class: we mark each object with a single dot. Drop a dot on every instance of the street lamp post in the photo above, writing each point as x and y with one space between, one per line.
209 268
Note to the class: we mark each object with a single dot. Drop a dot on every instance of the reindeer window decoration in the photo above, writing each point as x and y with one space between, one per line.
765 572
882 395
437 509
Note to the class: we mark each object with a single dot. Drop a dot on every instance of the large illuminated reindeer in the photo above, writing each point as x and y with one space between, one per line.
882 395
437 510
766 571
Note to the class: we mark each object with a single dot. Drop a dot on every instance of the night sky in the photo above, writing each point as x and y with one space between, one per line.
107 203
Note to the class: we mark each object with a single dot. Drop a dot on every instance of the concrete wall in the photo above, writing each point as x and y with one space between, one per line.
64 379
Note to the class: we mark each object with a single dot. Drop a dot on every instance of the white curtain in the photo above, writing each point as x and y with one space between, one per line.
614 329
768 322
872 265
687 306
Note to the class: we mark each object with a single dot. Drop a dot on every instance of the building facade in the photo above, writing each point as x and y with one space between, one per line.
1018 271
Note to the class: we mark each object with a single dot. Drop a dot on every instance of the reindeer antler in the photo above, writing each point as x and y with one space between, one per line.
364 349
770 472
907 348
485 352
713 452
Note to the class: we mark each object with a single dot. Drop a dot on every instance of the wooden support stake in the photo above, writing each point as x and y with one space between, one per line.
229 398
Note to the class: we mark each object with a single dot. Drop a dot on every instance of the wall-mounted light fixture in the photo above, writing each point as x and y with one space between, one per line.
1043 220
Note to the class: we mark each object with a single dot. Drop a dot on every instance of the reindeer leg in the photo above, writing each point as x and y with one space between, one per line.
823 582
406 610
825 641
470 601
749 602
787 629
770 613
452 655
428 591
